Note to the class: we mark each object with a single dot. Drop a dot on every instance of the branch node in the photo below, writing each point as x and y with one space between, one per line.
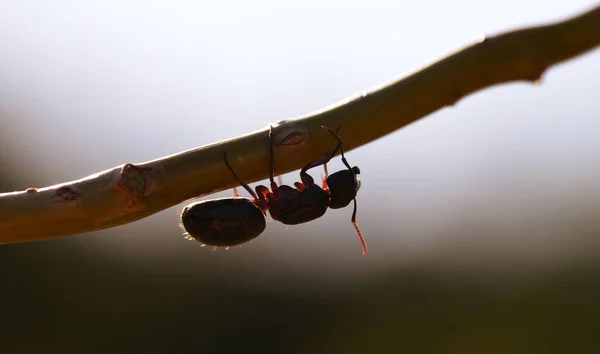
538 68
135 182
65 194
453 97
291 137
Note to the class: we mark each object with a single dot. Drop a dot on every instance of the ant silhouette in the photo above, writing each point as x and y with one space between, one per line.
233 221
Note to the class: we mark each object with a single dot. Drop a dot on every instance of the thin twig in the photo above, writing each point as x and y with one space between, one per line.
130 192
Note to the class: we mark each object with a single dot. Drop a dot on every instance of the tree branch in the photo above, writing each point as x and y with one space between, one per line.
130 192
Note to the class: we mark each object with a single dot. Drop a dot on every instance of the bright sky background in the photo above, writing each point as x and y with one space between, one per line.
88 85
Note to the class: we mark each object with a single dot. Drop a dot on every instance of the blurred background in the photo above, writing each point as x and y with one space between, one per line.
482 220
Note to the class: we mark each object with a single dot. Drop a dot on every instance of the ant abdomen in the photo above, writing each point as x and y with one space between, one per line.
223 222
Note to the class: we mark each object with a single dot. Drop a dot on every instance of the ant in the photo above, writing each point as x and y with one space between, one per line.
233 221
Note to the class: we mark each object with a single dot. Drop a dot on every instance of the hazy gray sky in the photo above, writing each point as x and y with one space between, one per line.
86 86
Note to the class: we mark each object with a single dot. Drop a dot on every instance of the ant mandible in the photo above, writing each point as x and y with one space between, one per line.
232 221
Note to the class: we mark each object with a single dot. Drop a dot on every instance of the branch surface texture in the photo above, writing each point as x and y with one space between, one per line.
133 191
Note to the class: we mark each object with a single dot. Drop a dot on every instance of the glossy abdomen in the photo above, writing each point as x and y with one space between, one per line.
223 222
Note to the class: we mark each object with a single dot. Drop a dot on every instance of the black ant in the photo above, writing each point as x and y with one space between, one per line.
233 221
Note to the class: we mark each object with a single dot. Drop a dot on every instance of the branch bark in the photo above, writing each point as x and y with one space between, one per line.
130 192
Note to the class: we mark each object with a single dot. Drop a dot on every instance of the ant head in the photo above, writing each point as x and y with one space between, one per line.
343 186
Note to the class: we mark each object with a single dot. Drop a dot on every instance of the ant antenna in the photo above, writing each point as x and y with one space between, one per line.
362 239
341 147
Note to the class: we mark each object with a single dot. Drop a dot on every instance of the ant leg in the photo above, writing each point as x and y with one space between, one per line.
300 186
322 161
339 139
362 239
308 180
262 201
237 178
325 177
271 160
235 192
